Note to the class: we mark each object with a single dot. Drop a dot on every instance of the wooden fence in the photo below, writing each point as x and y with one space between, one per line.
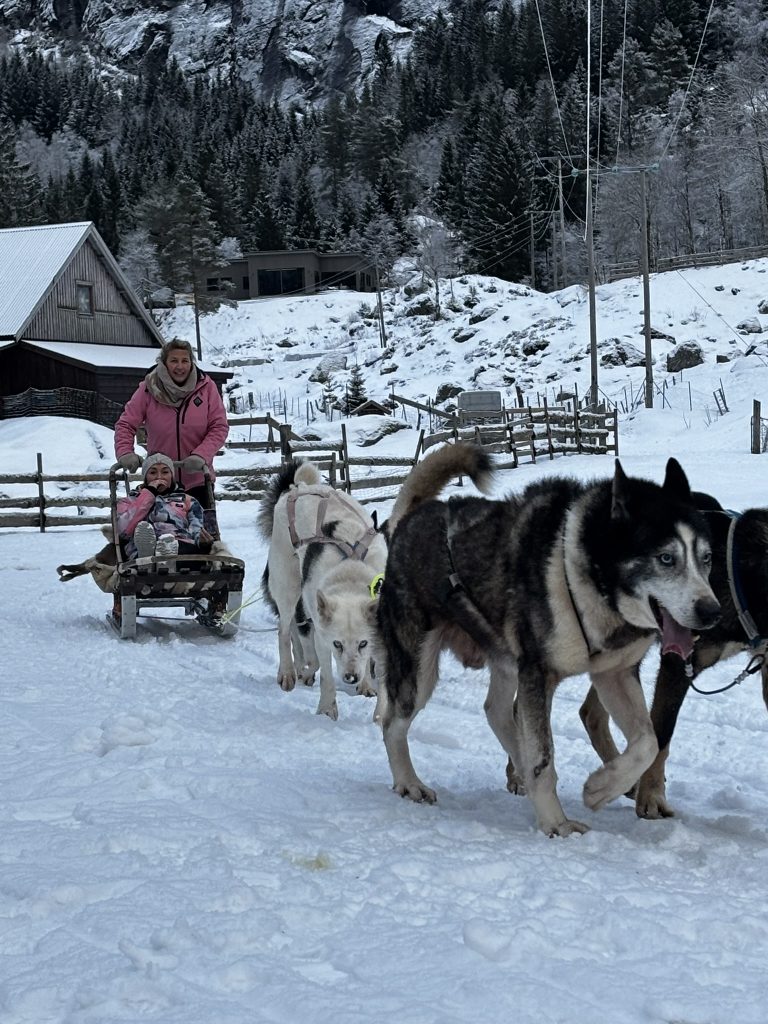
528 433
533 432
631 268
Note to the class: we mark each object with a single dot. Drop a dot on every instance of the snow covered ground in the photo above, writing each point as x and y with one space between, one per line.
183 842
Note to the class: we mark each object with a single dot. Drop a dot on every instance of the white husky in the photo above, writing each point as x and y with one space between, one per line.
325 559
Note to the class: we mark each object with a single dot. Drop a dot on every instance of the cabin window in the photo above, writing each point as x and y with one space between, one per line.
84 298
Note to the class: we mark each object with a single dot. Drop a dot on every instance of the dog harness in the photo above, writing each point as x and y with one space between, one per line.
758 644
357 550
734 582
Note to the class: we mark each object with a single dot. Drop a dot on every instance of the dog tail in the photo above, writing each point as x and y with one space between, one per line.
277 486
307 473
428 478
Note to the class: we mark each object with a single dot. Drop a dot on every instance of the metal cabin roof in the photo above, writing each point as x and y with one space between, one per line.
31 261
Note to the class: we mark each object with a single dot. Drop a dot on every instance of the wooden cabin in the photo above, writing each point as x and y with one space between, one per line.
74 337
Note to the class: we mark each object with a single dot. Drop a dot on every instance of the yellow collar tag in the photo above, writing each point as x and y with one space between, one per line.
375 585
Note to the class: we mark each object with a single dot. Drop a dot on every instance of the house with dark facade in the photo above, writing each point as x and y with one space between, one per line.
74 337
293 272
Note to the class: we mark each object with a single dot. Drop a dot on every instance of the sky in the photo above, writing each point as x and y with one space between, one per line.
181 841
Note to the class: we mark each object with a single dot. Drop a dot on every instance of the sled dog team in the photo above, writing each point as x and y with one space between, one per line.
562 579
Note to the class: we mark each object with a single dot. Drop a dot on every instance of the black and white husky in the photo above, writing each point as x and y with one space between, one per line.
325 561
740 582
562 579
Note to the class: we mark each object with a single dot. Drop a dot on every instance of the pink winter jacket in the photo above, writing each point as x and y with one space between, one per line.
197 427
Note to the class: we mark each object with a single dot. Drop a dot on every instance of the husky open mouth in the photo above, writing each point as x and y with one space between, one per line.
675 639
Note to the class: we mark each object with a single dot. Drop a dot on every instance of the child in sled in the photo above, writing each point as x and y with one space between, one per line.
162 519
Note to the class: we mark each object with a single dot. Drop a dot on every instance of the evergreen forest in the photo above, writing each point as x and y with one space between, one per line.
484 132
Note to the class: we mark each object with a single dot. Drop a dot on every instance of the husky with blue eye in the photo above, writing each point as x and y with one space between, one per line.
740 582
562 579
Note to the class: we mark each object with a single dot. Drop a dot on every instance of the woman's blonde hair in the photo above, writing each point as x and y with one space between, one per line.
173 345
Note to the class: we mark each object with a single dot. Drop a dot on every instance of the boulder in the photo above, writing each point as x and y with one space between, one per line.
332 362
684 356
446 391
482 314
621 353
422 305
750 326
376 428
463 334
533 345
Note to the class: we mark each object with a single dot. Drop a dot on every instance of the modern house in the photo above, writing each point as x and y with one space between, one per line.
293 272
74 337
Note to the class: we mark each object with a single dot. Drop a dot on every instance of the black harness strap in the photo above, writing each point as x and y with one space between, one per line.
591 651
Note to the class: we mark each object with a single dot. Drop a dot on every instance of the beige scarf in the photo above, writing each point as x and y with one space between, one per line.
163 388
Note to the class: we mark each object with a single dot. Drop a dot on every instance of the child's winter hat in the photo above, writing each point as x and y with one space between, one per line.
153 460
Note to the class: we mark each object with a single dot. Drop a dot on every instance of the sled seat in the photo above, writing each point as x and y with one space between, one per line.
208 586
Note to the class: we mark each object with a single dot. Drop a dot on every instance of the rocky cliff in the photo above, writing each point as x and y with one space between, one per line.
292 50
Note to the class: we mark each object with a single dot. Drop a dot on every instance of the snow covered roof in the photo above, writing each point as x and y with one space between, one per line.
105 357
31 261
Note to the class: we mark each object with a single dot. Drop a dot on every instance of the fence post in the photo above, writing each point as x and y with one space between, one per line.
549 430
285 442
755 427
332 470
577 429
345 451
41 491
419 446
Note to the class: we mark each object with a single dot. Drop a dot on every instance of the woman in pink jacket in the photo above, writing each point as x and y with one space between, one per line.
183 414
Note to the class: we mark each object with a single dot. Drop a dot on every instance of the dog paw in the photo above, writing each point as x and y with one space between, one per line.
600 788
286 680
652 805
364 689
567 828
416 791
331 710
307 678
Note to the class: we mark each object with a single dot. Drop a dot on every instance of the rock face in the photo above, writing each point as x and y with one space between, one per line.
290 50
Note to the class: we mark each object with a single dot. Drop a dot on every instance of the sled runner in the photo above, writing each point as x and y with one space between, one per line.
207 586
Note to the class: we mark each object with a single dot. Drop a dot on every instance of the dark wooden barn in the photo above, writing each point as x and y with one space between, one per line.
74 337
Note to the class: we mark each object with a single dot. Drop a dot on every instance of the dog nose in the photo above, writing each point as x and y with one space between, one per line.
350 677
707 611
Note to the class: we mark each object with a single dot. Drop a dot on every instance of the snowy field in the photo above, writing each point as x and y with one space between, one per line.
182 842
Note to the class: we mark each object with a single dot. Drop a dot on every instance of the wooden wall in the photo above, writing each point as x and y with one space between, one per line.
113 322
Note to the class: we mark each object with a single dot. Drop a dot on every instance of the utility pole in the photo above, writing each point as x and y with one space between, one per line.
563 270
646 284
380 306
553 246
533 252
646 291
593 387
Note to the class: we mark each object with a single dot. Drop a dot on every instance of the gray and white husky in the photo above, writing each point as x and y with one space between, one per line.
325 557
561 579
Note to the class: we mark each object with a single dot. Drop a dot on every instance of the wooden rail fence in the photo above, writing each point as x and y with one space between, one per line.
528 433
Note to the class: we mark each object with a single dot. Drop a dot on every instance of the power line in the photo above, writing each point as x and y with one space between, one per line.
552 80
690 80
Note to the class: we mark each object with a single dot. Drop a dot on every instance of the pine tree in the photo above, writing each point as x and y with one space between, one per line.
356 393
20 191
496 194
190 248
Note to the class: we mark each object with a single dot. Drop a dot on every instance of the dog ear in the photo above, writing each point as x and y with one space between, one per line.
619 494
676 482
371 610
324 607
